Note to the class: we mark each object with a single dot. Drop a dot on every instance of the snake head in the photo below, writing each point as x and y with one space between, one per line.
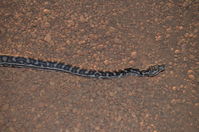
155 70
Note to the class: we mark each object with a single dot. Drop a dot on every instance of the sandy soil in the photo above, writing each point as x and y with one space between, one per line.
103 35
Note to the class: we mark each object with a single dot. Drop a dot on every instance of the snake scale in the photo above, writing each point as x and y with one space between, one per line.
22 62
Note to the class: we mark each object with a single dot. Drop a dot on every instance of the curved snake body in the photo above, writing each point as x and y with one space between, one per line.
22 62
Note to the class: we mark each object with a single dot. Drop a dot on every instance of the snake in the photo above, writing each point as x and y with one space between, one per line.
23 62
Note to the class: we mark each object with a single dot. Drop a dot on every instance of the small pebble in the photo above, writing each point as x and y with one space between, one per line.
191 76
190 71
177 51
97 128
133 54
174 88
46 11
106 62
48 38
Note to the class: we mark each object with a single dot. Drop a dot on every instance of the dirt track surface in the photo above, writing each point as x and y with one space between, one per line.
103 35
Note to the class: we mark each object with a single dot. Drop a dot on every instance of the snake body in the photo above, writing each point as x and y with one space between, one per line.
22 62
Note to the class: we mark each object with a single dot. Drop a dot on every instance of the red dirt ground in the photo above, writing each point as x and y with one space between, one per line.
104 35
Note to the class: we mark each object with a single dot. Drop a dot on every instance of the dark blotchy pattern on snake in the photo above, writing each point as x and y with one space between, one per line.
13 61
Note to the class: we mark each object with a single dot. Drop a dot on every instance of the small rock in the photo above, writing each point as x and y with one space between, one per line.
158 37
174 88
196 104
48 38
46 11
177 51
112 93
133 54
191 76
106 62
190 71
179 27
97 128
132 62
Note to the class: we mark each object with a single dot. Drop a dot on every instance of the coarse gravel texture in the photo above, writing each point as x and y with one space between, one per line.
102 35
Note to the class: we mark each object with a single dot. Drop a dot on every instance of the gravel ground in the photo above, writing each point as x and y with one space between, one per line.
102 35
